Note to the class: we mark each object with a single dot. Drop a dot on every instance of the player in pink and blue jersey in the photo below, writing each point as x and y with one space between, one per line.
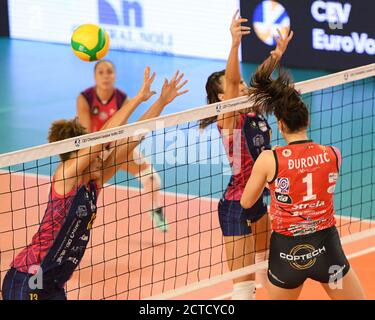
245 135
60 243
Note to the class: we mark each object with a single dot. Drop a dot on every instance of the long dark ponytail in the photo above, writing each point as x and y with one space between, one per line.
214 87
279 97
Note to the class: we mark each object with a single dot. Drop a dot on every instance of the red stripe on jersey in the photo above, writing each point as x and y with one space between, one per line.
57 208
302 192
55 215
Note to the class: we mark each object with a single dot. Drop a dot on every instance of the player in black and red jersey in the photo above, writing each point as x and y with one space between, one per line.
301 178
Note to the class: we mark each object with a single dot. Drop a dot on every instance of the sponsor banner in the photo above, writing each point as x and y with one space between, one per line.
332 35
185 27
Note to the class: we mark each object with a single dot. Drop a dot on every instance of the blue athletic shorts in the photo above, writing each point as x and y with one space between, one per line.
16 287
235 220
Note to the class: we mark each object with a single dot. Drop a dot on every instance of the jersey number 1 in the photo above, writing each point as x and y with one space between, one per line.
309 182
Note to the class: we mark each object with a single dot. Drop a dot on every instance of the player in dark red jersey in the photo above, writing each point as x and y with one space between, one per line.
60 243
301 178
245 135
95 106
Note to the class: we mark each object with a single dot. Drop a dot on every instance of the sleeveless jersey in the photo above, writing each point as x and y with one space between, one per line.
250 137
101 112
303 187
60 243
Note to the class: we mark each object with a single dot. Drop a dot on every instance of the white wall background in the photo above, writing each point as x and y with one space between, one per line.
197 28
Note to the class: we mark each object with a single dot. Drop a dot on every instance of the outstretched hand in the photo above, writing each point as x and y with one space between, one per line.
237 30
282 42
145 92
171 89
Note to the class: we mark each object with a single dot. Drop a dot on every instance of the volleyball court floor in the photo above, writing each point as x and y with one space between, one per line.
128 259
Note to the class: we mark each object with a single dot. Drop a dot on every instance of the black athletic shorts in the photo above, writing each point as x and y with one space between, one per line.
318 256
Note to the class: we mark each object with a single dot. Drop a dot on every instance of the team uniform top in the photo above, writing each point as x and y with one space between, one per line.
303 187
250 137
59 244
100 111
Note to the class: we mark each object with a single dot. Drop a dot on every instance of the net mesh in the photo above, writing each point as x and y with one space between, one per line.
128 256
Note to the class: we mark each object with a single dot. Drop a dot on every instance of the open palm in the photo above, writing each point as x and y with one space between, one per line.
171 89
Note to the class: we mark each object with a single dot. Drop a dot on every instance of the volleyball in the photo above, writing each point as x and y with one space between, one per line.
90 42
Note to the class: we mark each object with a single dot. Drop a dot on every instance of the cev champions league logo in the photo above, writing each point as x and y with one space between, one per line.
269 16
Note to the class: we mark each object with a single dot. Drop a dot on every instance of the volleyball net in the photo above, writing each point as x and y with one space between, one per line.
128 256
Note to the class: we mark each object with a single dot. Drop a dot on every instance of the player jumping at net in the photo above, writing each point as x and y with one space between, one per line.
302 177
60 243
95 106
252 134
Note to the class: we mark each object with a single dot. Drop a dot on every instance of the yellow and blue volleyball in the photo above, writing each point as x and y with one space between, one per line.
90 42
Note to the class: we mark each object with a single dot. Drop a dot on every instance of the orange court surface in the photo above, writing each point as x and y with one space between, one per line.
128 259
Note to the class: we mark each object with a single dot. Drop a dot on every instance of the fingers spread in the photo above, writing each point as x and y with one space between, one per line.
153 77
175 76
237 23
182 85
179 78
146 73
182 92
236 14
242 20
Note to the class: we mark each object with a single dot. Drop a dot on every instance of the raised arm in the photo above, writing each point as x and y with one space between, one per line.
122 115
76 166
270 64
228 120
123 148
169 92
232 72
263 75
125 102
83 113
